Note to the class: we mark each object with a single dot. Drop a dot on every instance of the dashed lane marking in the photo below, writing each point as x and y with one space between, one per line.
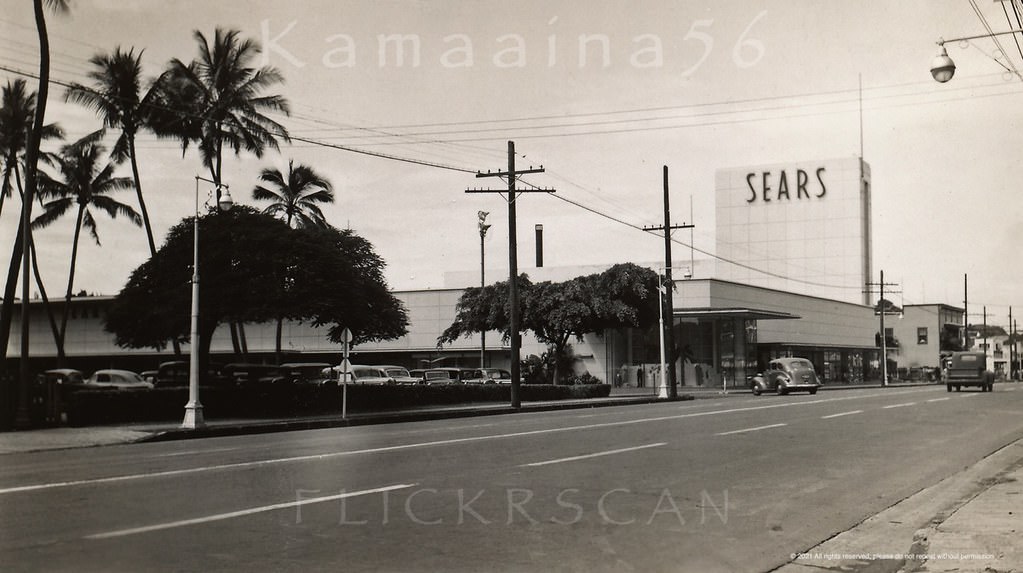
595 455
842 414
244 512
758 428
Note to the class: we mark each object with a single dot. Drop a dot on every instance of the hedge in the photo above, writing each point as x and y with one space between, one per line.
87 407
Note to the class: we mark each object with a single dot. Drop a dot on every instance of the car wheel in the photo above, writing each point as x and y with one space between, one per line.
959 388
757 390
782 390
814 391
948 387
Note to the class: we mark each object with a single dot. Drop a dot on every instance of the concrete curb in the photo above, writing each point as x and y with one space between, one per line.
257 427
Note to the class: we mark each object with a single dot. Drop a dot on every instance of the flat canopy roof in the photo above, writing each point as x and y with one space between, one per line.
743 313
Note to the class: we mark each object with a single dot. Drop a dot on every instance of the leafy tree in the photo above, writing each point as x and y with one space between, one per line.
85 184
217 100
622 296
116 94
254 268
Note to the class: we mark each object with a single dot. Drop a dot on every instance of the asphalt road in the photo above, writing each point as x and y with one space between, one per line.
730 484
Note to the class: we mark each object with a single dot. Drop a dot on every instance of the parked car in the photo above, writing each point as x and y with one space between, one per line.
489 376
361 374
969 369
305 373
242 374
62 377
400 374
447 375
784 375
122 379
175 373
432 376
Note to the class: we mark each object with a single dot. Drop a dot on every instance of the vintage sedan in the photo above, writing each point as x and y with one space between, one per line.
784 375
122 379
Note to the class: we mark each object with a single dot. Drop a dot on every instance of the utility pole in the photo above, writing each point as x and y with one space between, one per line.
513 265
882 310
966 312
667 303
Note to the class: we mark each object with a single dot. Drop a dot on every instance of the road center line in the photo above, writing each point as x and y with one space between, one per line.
938 400
594 455
750 429
399 447
903 405
842 414
244 512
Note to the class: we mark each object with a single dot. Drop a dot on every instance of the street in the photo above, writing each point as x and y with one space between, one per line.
732 483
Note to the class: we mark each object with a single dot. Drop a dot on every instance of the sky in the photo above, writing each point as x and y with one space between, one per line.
695 86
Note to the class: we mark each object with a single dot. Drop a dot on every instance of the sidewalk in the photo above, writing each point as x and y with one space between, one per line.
967 523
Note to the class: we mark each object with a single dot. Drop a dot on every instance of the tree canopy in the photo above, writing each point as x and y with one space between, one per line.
254 268
624 295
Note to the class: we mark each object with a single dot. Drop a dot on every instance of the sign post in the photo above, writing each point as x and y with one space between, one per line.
346 366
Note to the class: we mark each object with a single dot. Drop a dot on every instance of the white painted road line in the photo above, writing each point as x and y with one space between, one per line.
594 455
244 512
842 414
903 405
938 400
400 447
750 429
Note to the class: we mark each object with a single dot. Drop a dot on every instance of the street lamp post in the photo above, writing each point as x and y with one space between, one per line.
484 227
942 66
193 409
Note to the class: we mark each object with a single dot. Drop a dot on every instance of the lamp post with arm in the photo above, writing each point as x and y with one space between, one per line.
193 409
484 227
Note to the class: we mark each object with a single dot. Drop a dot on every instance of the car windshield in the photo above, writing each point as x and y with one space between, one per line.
397 372
366 373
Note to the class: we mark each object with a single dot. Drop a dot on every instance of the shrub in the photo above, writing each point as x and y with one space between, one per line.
87 407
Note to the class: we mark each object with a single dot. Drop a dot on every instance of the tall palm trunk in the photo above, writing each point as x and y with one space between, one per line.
71 274
39 279
57 340
138 193
32 155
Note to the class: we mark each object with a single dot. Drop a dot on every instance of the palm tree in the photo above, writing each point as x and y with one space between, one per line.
85 184
116 96
31 158
295 198
17 110
216 101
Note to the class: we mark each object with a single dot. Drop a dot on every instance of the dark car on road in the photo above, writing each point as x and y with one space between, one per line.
969 369
784 375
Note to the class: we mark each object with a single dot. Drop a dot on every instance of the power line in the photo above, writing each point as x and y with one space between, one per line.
349 149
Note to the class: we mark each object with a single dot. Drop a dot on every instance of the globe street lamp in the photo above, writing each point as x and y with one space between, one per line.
942 66
193 409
